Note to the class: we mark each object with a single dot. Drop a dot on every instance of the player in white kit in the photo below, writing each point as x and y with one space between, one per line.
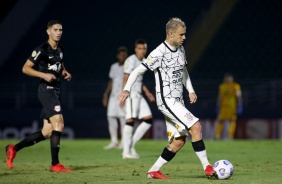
136 107
168 61
115 113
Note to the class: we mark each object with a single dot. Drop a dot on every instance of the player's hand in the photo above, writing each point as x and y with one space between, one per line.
193 97
49 77
67 75
122 104
123 96
105 100
150 97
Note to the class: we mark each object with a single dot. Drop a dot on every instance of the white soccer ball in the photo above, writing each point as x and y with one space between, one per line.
224 169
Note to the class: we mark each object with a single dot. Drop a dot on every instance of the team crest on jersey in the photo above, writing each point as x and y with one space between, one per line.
188 116
33 54
57 108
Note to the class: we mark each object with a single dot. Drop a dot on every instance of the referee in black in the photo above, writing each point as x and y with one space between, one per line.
46 62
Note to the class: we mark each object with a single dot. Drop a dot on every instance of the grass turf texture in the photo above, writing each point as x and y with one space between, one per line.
254 162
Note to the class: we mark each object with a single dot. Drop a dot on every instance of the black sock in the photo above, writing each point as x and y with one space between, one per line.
55 146
198 146
167 155
30 140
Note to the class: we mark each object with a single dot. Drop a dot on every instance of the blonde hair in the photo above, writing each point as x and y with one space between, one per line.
174 23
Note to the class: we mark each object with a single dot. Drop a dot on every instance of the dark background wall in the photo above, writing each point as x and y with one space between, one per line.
248 44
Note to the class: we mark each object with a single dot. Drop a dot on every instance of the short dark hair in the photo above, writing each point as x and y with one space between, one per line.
52 22
121 49
140 41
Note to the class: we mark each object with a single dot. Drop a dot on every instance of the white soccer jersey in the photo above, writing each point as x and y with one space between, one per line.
129 65
168 66
116 74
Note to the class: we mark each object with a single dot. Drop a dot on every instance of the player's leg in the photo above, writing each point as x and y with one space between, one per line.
112 114
218 129
58 126
200 149
177 141
232 129
145 115
53 112
30 140
113 130
121 126
131 110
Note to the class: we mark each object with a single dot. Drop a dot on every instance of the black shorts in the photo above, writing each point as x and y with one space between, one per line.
49 98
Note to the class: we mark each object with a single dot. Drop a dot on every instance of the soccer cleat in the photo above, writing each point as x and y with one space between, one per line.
128 156
210 172
59 168
156 175
110 146
11 154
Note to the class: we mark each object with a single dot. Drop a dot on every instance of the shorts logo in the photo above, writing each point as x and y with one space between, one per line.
57 108
188 116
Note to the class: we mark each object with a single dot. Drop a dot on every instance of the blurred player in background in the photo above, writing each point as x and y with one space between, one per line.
168 61
48 57
136 107
115 113
229 104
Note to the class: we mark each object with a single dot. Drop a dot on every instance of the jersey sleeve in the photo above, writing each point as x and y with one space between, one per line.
36 55
111 73
154 59
128 66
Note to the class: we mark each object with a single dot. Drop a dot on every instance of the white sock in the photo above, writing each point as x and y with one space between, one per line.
158 164
203 158
113 128
122 124
126 138
139 132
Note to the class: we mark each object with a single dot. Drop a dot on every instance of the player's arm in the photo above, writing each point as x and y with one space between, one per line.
107 92
148 93
65 73
30 71
140 70
188 85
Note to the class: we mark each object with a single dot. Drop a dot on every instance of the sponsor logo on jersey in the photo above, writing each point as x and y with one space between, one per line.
61 55
149 59
50 57
57 108
50 87
55 67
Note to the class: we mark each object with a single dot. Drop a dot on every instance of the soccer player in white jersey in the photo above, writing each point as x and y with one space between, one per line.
115 113
168 62
136 106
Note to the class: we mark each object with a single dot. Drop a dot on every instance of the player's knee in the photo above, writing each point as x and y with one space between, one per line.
196 128
149 121
177 144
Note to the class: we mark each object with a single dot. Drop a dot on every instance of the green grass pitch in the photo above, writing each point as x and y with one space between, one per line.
254 161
